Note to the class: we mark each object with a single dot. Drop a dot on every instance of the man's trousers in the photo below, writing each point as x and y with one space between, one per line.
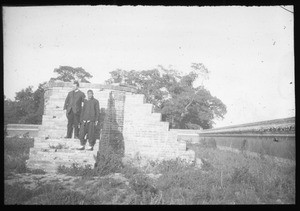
87 128
73 121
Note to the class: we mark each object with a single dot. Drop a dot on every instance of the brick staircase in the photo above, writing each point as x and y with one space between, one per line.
48 154
144 132
142 129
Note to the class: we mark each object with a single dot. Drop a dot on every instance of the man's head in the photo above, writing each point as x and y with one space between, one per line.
76 85
90 94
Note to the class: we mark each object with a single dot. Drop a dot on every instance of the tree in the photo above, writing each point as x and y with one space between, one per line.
68 74
27 108
10 111
173 94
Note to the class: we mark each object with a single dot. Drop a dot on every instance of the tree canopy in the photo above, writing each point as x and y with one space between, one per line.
68 74
173 94
27 108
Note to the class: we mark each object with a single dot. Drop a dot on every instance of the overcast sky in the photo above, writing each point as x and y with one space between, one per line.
248 50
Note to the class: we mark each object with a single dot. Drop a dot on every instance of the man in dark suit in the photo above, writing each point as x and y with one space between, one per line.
73 105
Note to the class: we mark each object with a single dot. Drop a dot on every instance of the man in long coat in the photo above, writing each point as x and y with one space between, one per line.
73 105
89 119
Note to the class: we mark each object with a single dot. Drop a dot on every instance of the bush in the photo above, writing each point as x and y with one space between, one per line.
16 194
141 183
176 165
242 175
16 152
62 197
129 171
76 170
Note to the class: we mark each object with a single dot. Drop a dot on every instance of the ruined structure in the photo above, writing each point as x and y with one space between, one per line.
141 129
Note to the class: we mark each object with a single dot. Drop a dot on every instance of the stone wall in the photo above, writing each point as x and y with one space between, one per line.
54 121
143 132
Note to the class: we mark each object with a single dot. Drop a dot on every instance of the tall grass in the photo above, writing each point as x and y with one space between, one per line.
230 179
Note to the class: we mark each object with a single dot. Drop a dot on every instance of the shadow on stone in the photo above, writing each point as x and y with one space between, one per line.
111 146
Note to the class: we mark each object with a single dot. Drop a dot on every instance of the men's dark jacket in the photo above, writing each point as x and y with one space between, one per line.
74 101
90 110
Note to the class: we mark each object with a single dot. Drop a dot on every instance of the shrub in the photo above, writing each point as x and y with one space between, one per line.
129 171
174 165
241 175
63 197
16 152
76 170
141 183
36 171
16 194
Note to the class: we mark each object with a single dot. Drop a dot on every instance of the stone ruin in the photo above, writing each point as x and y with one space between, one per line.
143 133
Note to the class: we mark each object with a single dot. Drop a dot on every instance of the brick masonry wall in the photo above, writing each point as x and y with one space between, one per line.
146 135
143 131
54 124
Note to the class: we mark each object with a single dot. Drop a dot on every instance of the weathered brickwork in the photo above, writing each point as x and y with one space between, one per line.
143 131
145 134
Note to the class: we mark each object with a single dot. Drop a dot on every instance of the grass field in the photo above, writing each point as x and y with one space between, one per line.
225 178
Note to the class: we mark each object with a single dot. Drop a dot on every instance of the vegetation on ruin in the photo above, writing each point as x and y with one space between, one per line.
228 178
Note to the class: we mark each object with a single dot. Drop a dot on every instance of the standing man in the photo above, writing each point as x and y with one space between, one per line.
89 119
73 105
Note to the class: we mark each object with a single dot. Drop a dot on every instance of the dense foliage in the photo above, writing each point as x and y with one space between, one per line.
68 74
27 108
174 95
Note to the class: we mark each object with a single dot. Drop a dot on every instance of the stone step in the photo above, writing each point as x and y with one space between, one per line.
54 132
54 124
51 167
55 113
46 166
153 117
39 155
56 158
61 160
53 116
70 148
136 108
67 142
60 120
64 146
131 99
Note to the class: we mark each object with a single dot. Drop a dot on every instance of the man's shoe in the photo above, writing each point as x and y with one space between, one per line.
89 148
81 148
67 137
